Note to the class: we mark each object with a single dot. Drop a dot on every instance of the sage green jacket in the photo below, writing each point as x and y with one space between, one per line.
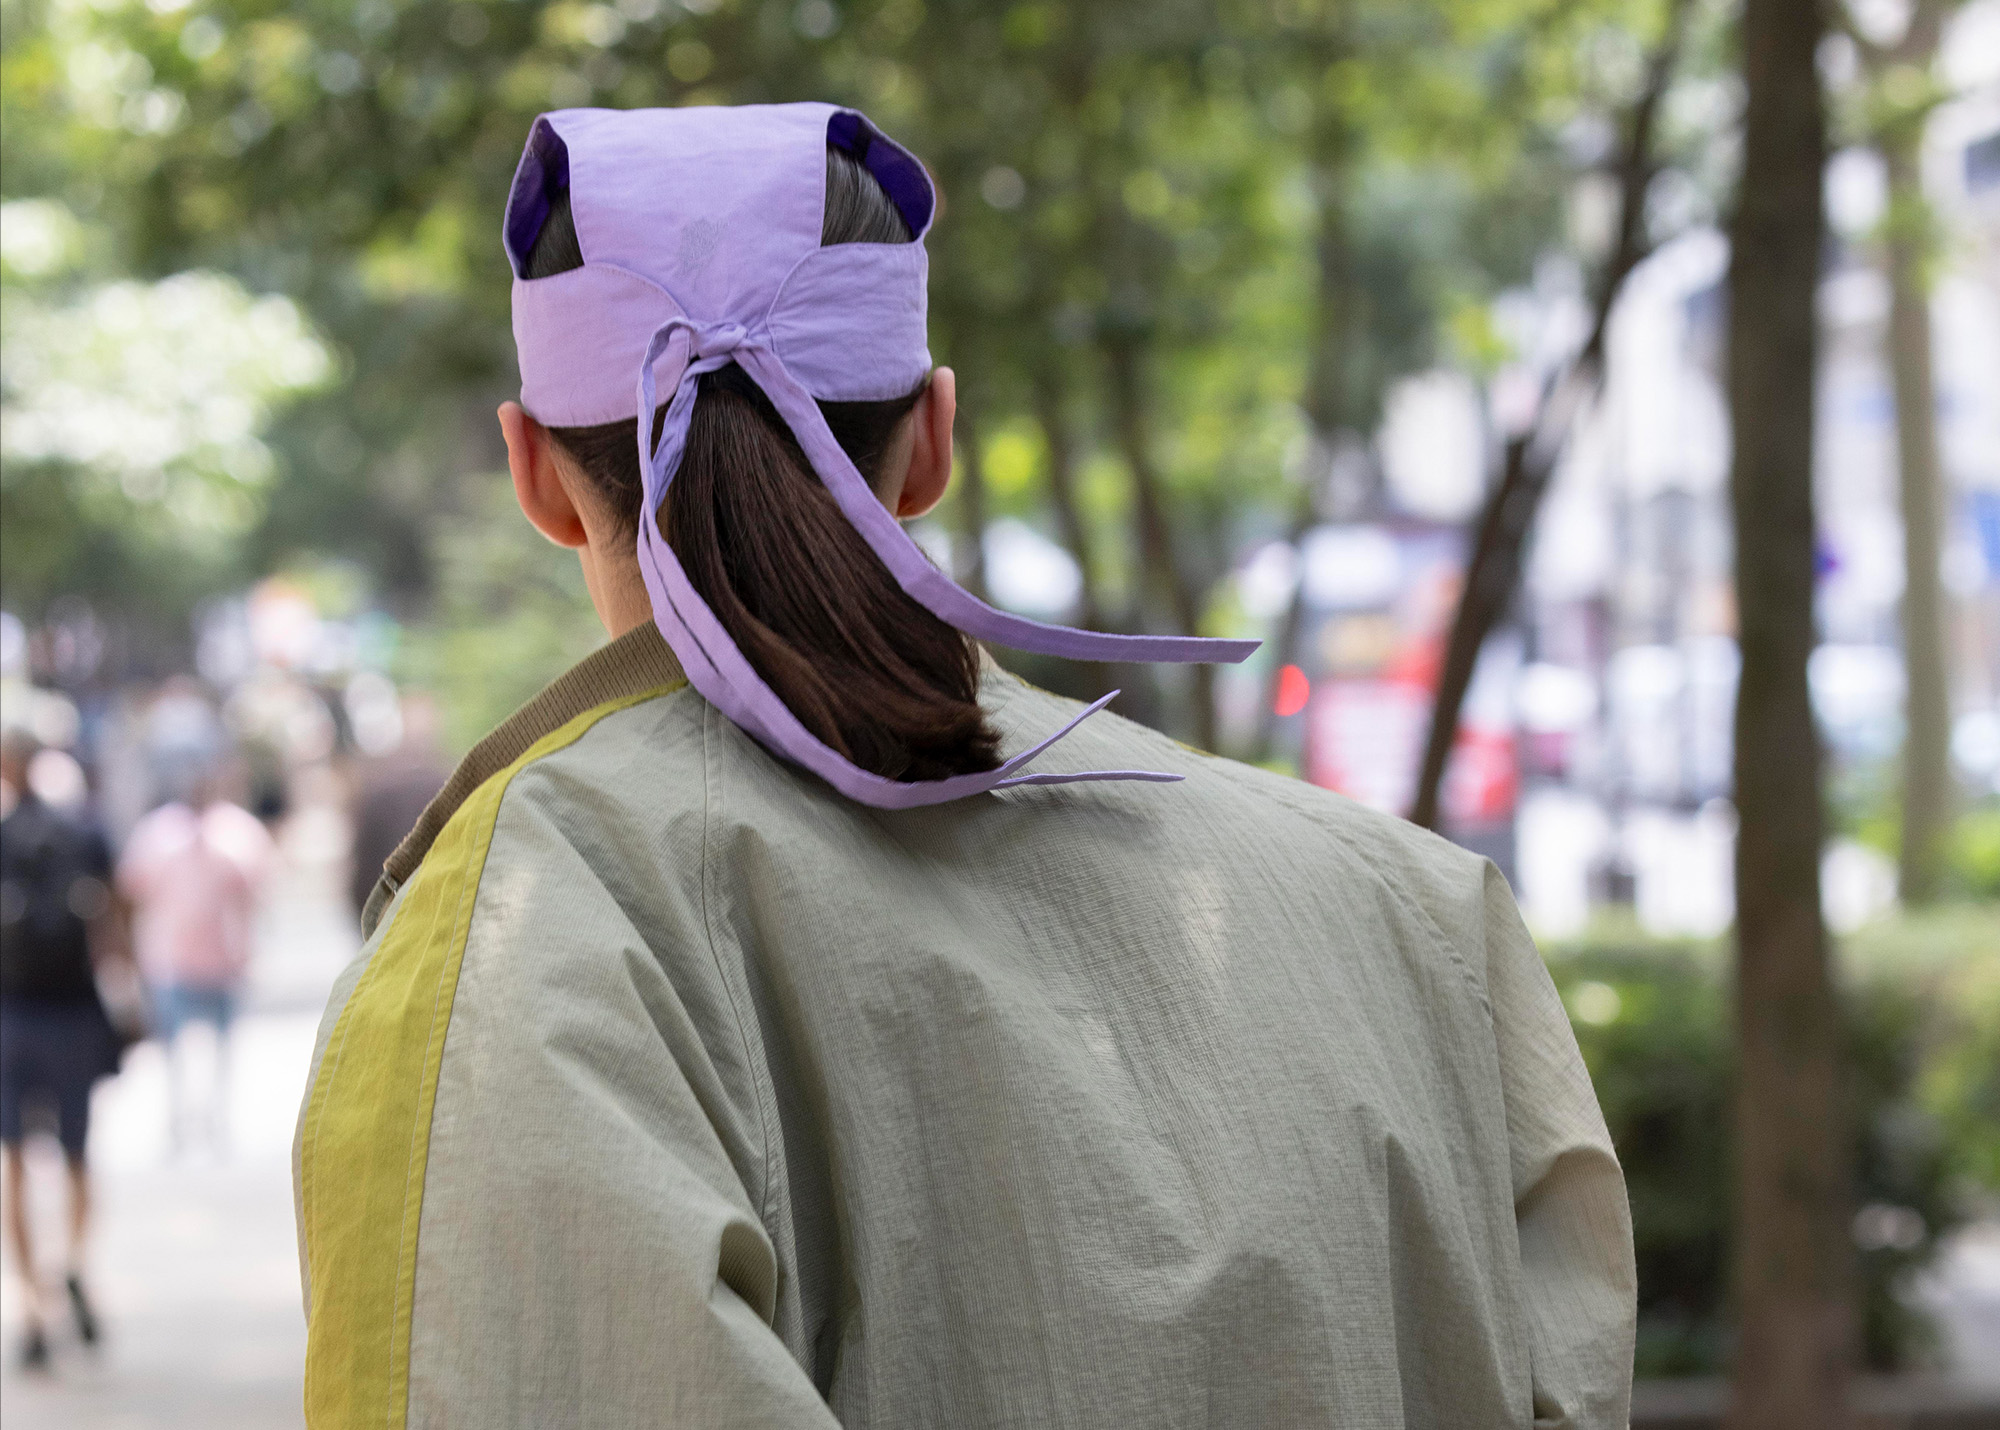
672 1089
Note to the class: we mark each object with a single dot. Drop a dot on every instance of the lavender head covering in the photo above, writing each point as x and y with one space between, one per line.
700 234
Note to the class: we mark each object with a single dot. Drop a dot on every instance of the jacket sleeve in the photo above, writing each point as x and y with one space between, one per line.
588 1246
1574 1222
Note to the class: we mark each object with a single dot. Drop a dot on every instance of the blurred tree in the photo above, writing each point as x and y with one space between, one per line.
1466 105
1325 90
485 609
1793 1258
1163 224
1922 1016
131 461
1900 91
1500 533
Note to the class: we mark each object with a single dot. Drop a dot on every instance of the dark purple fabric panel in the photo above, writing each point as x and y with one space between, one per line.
544 170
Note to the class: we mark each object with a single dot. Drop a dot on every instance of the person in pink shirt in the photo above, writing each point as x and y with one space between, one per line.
191 874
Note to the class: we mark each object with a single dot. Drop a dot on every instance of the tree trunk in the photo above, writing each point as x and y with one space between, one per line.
1793 1271
971 508
1056 440
1493 565
1927 792
1492 570
1328 398
1156 539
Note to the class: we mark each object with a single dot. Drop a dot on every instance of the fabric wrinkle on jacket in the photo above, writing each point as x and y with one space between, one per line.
671 1088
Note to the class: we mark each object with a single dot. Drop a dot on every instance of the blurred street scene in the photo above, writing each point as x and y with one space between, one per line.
1393 335
193 1266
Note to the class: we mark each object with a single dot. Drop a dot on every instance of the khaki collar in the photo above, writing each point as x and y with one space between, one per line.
637 661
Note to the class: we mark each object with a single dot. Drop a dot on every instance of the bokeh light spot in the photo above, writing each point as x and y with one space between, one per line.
1293 691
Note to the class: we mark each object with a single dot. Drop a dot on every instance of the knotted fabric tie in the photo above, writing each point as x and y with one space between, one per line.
720 212
722 674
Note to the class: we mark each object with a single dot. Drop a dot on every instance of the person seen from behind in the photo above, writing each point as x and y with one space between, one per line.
56 1040
191 872
789 1018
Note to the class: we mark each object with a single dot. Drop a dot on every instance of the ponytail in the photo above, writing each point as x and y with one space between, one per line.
873 674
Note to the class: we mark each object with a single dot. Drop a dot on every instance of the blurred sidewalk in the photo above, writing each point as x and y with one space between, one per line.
193 1271
194 1266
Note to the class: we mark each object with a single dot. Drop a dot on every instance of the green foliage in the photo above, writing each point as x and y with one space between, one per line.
1946 955
1267 206
512 614
1655 1024
1655 1032
130 458
1975 852
1901 1157
1866 803
1963 1083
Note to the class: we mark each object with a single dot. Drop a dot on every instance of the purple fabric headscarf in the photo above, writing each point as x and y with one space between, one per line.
700 233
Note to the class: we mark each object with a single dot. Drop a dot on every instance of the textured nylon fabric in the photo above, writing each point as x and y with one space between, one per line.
364 1131
700 234
1062 1107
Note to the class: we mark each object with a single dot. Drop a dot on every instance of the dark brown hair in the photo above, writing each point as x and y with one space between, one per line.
869 671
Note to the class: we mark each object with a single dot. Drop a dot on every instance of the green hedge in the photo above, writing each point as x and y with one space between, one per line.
1654 1019
1974 852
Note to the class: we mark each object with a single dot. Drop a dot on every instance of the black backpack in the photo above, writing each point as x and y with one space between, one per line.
54 879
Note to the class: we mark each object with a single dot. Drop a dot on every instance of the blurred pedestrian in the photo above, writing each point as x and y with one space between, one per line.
391 794
191 872
183 735
55 1038
746 1040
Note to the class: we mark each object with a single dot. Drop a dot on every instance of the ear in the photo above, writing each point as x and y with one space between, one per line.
930 447
538 486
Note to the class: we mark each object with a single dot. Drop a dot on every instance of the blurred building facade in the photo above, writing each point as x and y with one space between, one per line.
1594 759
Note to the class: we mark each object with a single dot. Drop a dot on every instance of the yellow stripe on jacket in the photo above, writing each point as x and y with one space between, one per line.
366 1133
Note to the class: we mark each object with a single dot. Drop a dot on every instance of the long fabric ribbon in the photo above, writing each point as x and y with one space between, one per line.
722 674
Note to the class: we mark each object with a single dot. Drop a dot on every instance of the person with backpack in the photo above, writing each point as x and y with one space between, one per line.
56 1040
789 1018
